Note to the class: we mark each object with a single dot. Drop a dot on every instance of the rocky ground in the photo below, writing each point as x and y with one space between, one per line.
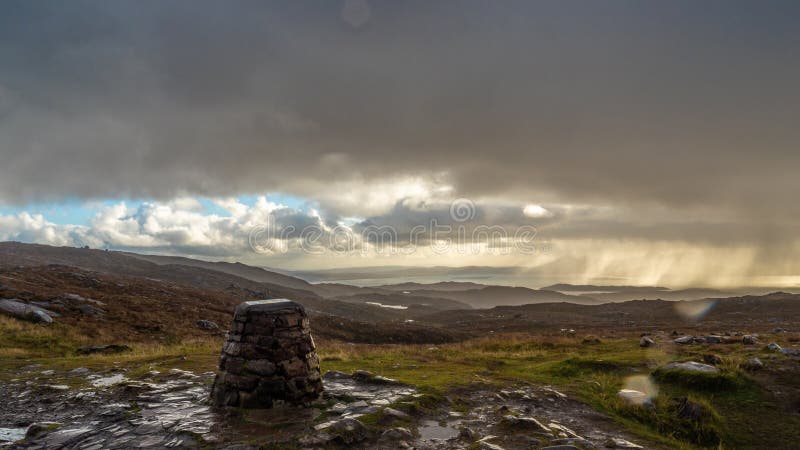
81 409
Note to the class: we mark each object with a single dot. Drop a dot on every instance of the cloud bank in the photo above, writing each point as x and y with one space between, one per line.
598 122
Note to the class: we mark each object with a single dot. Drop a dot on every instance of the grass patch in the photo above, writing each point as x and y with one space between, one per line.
737 412
701 381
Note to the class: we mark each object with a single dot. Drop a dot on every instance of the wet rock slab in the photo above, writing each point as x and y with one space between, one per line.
171 410
531 417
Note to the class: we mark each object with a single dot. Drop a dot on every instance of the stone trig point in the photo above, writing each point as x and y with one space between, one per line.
269 358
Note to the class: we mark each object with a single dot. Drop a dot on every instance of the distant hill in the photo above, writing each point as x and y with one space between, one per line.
654 294
751 312
490 296
104 308
440 286
565 287
238 269
412 301
124 264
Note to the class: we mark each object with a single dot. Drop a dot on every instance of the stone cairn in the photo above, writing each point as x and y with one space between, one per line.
269 358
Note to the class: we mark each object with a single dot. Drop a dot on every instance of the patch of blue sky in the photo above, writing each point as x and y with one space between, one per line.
81 212
65 212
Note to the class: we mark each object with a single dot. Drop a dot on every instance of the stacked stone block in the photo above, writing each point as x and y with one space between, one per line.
269 358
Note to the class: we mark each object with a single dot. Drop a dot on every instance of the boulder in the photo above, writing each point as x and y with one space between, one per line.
646 341
684 340
691 366
24 311
713 339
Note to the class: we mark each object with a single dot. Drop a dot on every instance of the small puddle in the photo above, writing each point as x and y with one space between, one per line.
432 429
8 435
109 381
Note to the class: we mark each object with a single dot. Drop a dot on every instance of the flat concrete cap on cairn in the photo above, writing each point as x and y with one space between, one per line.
274 305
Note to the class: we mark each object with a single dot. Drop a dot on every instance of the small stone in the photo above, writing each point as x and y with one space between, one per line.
790 351
363 375
773 347
712 359
690 410
753 364
38 428
207 325
646 341
523 423
691 366
467 434
590 340
79 371
338 408
335 375
391 414
621 443
397 434
749 339
489 446
571 442
633 396
348 431
384 380
713 339
261 367
684 340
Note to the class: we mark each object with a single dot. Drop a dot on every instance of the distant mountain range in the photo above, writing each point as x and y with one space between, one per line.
135 288
388 301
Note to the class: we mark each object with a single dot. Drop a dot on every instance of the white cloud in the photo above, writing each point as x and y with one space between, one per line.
35 228
536 211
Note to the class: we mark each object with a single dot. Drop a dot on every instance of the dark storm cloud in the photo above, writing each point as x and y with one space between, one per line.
685 104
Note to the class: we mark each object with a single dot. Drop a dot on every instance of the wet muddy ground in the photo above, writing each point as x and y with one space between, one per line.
169 409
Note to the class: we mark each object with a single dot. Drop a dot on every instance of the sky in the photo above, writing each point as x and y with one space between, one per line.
651 142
